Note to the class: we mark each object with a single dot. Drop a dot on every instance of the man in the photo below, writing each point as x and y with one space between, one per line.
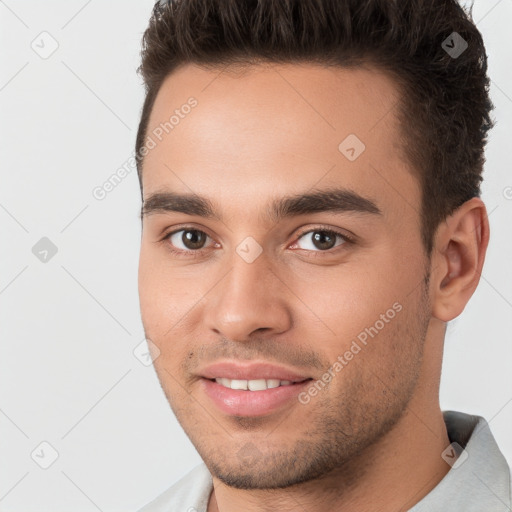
310 177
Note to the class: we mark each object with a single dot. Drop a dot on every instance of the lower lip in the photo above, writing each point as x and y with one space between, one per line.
238 402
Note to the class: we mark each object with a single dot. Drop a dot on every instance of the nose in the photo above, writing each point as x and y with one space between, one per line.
251 297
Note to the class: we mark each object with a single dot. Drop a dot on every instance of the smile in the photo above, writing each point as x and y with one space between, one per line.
253 384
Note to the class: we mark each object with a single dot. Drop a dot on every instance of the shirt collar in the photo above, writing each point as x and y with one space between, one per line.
481 479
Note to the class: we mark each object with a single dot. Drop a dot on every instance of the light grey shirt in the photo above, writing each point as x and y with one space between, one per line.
478 480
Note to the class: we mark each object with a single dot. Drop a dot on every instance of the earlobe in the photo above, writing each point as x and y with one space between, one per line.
459 252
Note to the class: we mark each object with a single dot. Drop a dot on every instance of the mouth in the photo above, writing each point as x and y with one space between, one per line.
251 388
254 397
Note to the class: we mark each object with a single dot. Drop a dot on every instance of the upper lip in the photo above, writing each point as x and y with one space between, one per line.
250 371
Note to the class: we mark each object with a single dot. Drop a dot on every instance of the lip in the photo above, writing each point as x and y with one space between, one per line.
250 371
251 403
236 402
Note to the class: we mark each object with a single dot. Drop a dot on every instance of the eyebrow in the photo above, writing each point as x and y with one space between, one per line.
336 200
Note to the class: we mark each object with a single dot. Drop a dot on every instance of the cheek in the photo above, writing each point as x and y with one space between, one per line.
157 295
343 301
368 302
376 284
166 298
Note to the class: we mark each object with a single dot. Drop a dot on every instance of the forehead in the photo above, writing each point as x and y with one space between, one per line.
276 129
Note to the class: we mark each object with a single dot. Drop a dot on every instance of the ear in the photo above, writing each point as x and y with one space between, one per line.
458 256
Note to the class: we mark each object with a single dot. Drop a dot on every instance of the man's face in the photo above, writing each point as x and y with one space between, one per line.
285 297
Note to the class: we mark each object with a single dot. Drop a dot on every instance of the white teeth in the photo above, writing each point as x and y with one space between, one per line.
238 384
257 385
225 382
252 385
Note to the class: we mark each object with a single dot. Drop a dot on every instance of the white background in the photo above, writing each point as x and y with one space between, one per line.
68 375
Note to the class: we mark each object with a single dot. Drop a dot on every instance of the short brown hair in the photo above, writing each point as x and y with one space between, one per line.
444 107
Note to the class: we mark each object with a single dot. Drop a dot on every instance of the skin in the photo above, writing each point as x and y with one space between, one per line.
375 434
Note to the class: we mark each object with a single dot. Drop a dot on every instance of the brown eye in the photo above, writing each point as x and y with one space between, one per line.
187 239
323 240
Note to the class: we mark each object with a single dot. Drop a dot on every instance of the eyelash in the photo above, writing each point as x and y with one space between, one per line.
197 253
